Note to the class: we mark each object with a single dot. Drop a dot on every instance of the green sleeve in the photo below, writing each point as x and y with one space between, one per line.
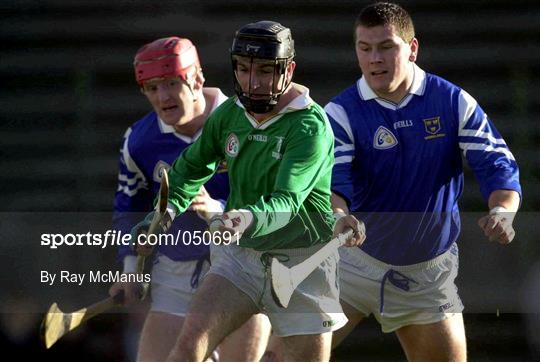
307 157
195 166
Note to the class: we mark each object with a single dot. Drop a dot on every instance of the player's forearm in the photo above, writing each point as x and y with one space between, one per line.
339 205
272 213
509 199
186 178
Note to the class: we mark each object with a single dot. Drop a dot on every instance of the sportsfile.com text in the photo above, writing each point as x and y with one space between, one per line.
118 238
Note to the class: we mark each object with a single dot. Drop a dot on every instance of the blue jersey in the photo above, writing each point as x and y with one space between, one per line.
148 145
400 167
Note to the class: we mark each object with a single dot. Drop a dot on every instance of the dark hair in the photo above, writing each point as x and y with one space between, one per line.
387 14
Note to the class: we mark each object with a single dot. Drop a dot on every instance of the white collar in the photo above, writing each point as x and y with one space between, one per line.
302 101
165 128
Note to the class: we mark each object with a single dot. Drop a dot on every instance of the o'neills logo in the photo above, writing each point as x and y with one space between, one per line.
232 145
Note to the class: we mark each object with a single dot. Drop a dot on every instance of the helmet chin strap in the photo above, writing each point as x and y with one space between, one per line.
258 106
192 93
188 82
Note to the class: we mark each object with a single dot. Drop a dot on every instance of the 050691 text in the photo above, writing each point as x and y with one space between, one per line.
119 238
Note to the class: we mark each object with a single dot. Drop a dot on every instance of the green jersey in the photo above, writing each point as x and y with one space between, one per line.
279 170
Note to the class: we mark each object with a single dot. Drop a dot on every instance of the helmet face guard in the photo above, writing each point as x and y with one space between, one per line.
268 42
166 57
261 102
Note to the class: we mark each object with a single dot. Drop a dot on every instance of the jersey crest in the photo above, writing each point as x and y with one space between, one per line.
232 145
384 139
433 128
161 166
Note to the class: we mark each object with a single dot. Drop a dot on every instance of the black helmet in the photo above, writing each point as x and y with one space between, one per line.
262 40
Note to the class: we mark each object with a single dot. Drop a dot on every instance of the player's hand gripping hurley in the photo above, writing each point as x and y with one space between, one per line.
57 323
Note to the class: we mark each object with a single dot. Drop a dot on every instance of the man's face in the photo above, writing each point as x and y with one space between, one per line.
385 58
171 99
261 78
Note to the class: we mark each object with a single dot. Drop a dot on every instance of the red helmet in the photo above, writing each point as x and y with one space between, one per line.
164 57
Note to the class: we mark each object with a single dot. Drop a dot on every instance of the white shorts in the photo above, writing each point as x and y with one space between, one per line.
314 307
400 295
174 284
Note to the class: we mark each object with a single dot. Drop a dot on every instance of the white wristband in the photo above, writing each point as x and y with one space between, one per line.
222 203
498 210
339 215
130 264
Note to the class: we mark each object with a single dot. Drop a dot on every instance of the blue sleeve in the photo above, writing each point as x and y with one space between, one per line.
132 196
342 180
485 150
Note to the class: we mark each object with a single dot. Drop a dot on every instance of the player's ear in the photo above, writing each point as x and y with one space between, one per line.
291 66
414 45
197 84
290 69
199 80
